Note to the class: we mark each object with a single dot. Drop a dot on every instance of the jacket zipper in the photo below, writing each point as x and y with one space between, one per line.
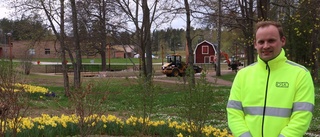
265 99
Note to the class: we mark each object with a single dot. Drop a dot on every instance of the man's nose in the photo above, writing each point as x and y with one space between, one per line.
265 45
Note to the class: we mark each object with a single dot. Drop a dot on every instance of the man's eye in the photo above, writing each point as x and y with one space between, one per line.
260 42
271 41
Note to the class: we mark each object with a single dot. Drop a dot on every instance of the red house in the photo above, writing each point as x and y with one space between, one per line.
204 53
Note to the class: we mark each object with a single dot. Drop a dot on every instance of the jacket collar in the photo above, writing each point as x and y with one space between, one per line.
274 63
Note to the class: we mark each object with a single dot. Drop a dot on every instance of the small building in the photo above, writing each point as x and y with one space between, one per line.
51 49
204 53
122 51
28 49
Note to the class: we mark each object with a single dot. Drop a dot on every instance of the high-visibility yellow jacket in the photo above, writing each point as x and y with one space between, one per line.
271 99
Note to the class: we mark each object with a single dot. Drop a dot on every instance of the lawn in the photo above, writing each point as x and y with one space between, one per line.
125 98
98 60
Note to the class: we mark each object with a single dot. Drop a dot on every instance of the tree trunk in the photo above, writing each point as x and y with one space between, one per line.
60 37
63 52
147 39
189 42
263 8
218 72
78 63
315 57
103 60
103 37
246 25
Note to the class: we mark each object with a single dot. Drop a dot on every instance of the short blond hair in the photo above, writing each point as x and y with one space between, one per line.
262 24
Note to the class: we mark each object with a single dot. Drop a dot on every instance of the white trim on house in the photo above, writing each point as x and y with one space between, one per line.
194 51
205 58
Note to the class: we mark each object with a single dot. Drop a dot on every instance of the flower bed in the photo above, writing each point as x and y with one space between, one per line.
103 125
72 125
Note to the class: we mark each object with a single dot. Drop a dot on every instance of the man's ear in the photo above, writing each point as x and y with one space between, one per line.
254 43
283 40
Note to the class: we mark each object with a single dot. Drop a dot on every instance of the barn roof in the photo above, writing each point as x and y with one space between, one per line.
205 41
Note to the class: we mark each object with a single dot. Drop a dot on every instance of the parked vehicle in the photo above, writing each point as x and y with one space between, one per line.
175 67
138 56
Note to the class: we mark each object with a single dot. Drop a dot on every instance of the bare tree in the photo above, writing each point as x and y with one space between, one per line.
235 15
218 71
101 19
245 21
263 7
189 41
54 14
61 39
313 6
144 15
76 64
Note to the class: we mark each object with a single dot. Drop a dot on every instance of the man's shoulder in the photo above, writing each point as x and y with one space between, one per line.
250 66
295 65
247 69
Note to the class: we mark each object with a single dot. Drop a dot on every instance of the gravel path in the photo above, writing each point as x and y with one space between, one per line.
210 76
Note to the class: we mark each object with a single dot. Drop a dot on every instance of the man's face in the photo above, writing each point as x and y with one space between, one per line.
268 42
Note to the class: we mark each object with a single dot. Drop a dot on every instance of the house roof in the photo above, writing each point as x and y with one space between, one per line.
124 48
205 41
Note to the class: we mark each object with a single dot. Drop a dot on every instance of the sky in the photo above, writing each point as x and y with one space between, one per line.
3 13
178 23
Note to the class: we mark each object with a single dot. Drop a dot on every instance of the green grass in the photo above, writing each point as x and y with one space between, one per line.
98 60
228 77
124 98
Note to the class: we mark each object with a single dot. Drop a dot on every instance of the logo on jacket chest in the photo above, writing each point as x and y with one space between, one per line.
282 84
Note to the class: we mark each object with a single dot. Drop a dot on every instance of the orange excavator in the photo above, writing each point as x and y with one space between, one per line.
226 57
233 64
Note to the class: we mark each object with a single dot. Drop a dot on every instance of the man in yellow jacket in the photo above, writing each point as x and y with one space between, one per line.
273 97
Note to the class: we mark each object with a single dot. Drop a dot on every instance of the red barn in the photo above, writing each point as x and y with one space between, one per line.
204 53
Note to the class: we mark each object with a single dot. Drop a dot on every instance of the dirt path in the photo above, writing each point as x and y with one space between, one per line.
210 76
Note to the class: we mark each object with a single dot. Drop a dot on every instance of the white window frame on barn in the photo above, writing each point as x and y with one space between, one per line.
207 47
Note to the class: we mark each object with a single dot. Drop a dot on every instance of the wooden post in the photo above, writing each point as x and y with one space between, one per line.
109 52
162 54
187 53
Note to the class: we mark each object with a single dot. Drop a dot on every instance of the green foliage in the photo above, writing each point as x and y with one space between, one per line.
24 29
228 77
12 104
169 100
196 104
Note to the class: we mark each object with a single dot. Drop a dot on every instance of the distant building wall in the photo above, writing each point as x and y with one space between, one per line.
51 49
23 49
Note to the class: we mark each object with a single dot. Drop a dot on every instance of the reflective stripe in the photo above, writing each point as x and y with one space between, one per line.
296 64
246 134
234 104
270 111
303 106
281 135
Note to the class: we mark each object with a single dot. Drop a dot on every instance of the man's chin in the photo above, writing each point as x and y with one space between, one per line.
266 58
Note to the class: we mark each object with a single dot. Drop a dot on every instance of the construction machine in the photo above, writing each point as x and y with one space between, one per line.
233 63
175 67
